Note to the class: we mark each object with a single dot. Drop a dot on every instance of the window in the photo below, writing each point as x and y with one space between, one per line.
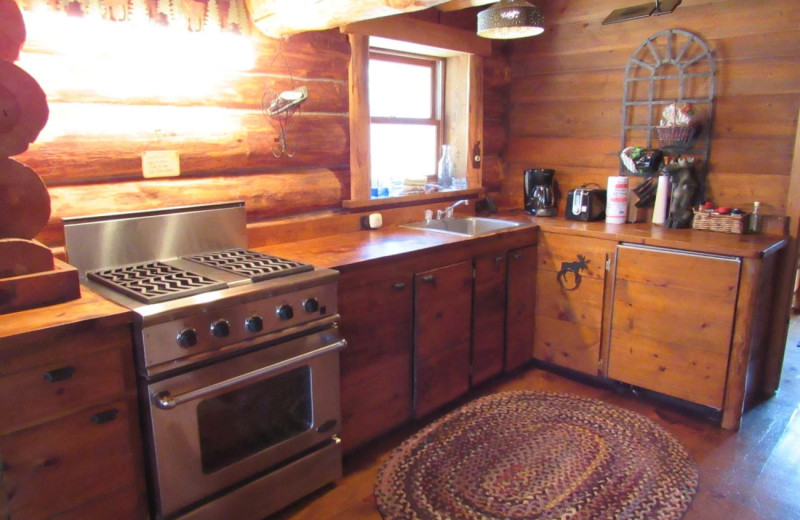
405 100
460 104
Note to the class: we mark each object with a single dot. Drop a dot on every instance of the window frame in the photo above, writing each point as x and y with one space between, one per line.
464 52
436 118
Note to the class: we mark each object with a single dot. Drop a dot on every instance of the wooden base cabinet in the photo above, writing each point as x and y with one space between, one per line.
488 316
376 310
673 317
570 289
442 327
69 428
520 307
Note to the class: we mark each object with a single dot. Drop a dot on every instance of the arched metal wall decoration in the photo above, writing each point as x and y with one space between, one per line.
672 66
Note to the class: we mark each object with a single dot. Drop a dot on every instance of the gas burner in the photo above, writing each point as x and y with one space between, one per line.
154 282
251 264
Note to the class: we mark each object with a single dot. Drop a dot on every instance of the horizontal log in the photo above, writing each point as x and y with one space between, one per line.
316 54
265 195
495 137
495 103
111 83
493 171
94 143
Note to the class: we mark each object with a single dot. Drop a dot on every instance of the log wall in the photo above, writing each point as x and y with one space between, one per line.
89 154
567 87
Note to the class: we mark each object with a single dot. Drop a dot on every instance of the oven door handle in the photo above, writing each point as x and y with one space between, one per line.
167 401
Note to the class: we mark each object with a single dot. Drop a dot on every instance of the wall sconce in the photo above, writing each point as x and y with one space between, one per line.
509 19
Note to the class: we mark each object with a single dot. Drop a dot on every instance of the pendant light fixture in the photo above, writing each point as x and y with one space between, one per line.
509 19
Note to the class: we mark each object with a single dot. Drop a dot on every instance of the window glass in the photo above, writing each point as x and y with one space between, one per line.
405 130
402 157
400 89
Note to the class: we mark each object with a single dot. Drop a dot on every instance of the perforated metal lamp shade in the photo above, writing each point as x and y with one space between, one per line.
509 19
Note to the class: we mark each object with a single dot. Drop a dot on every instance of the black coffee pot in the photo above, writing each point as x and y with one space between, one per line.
539 198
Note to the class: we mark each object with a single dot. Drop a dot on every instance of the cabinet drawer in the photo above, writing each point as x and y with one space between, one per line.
55 390
54 467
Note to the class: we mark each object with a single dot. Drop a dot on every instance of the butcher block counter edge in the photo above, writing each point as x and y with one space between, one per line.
696 240
89 312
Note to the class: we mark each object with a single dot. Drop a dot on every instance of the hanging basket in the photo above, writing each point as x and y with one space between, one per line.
672 136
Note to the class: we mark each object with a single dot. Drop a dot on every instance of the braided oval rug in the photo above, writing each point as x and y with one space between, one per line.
537 455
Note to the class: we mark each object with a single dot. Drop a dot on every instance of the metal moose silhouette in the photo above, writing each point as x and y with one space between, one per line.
569 277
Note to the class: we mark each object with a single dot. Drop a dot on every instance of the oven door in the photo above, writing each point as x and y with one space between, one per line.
215 426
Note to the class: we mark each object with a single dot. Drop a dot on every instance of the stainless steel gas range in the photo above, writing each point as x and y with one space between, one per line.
237 354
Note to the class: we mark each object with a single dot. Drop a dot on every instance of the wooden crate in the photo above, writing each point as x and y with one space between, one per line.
39 289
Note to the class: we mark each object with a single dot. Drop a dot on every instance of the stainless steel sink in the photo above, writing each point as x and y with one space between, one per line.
467 226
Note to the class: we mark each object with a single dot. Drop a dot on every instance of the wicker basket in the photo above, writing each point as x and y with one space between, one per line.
723 223
675 135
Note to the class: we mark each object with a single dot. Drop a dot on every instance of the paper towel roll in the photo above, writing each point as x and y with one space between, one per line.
661 205
617 200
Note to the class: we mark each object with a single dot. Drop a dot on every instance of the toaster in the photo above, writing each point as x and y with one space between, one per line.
586 203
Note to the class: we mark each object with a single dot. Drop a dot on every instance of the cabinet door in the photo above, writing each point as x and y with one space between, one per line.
521 307
488 316
56 466
443 302
570 284
672 322
376 365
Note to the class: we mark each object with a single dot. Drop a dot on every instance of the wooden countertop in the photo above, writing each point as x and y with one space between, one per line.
360 247
89 312
350 249
712 242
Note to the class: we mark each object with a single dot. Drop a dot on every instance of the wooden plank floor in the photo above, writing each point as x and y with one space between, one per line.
750 475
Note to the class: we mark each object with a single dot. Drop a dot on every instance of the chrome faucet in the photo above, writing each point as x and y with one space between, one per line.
448 211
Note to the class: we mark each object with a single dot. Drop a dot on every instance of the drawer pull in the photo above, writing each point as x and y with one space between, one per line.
59 374
429 278
498 259
517 255
104 417
399 286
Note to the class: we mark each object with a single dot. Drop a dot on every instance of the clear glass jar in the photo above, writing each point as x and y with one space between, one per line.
444 172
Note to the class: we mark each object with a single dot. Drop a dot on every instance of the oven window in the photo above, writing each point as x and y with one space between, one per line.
243 422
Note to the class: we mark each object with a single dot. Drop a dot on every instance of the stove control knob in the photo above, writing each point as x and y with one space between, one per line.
285 312
311 305
221 328
254 323
187 338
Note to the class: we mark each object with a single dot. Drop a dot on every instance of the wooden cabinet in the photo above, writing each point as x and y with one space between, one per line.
570 289
488 316
442 314
69 429
672 322
376 310
520 307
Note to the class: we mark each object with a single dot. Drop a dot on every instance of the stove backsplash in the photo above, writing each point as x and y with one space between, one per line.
103 241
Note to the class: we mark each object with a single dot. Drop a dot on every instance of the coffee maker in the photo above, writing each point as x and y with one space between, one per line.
539 198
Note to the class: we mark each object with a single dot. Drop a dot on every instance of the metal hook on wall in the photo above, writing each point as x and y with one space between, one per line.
281 149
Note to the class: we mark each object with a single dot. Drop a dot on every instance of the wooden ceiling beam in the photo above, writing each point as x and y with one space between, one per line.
276 18
457 5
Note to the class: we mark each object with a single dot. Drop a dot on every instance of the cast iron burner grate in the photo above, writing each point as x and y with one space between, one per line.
252 264
154 282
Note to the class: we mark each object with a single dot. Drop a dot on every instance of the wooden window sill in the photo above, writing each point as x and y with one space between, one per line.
410 200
